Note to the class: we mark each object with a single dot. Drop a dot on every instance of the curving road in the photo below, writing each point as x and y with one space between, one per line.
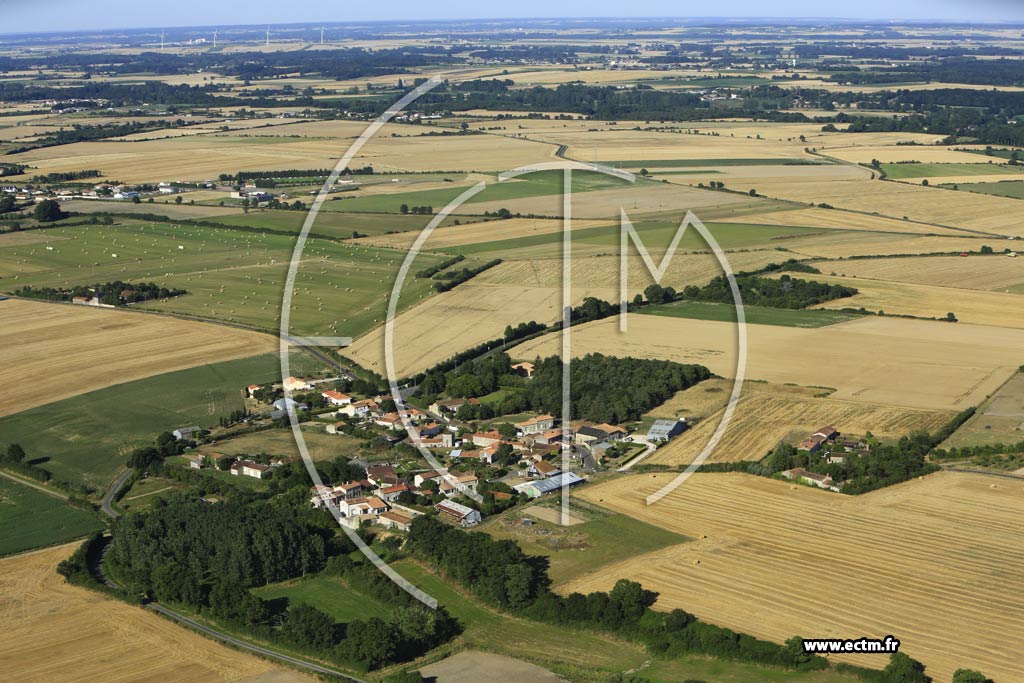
107 504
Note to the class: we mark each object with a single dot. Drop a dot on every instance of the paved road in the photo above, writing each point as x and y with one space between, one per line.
107 505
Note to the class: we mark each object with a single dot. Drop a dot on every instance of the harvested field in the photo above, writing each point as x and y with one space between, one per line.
768 413
471 666
281 443
986 273
998 309
302 145
900 154
999 420
621 145
878 361
55 631
932 562
515 292
845 220
895 200
838 244
68 350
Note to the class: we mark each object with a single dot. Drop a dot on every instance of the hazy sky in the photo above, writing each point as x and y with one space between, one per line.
49 15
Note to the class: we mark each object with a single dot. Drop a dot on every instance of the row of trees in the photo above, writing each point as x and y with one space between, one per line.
116 293
452 278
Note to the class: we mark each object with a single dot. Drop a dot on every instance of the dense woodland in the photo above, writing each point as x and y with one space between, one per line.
602 388
784 292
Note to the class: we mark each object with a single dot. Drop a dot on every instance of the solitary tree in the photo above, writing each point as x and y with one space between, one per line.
48 210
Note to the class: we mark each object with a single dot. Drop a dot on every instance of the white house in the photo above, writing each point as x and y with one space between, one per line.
336 398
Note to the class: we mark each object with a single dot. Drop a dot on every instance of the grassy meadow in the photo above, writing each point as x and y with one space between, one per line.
32 519
86 438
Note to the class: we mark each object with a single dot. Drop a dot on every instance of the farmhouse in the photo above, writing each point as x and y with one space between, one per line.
484 439
295 384
828 433
536 489
249 468
423 477
336 398
186 433
382 475
552 436
358 408
543 470
395 520
390 421
811 444
250 391
614 433
800 474
663 430
465 482
536 425
465 516
289 403
588 434
390 494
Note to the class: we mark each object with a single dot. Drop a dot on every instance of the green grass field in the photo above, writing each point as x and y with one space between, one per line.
86 438
755 315
232 275
146 492
331 594
582 548
329 222
32 519
1006 188
678 163
533 185
900 171
655 233
543 644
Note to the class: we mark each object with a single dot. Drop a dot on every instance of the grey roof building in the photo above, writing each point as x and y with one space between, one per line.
663 430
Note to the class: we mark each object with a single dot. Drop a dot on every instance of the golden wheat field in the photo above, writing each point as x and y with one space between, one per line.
888 154
817 217
875 360
995 273
930 301
933 562
300 145
58 632
895 200
478 232
53 351
769 413
843 244
515 292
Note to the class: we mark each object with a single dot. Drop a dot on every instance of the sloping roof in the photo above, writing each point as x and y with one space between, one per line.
552 483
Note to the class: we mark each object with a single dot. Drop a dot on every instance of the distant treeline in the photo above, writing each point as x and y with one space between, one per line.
116 293
81 133
435 269
293 173
66 176
453 278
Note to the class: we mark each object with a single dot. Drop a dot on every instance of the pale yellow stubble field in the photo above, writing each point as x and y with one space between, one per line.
932 562
515 292
769 413
55 631
879 361
53 351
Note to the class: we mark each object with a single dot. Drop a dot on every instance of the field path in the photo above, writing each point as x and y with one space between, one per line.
37 487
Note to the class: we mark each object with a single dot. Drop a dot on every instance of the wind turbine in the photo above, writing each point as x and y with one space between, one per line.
161 40
215 37
268 36
321 35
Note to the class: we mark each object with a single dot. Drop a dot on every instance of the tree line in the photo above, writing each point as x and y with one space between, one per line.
115 293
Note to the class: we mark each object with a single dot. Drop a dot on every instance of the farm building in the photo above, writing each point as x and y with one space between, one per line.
663 430
248 468
800 474
395 520
286 403
543 470
465 516
186 433
588 434
536 489
336 398
536 425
